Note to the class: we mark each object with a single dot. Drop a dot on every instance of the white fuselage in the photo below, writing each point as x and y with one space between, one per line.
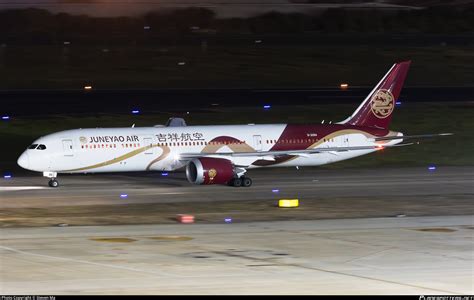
159 148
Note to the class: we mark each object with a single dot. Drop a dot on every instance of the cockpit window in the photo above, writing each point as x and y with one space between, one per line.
41 147
33 146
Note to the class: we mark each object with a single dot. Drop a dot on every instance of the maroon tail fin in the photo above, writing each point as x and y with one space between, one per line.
378 106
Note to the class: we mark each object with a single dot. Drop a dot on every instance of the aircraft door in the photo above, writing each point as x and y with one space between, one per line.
345 141
67 148
257 141
148 142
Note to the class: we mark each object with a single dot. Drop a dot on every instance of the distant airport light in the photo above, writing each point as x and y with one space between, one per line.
181 63
258 41
185 219
398 103
5 118
135 111
164 174
267 106
88 87
344 86
432 168
123 196
67 43
228 220
146 27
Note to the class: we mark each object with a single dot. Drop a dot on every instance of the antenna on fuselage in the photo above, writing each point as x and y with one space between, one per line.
133 126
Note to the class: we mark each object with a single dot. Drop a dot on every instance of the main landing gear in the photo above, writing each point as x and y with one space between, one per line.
242 181
53 182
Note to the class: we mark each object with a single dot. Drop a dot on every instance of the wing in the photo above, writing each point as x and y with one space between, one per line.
407 137
271 154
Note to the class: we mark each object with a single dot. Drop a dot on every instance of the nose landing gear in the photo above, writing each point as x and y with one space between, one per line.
53 182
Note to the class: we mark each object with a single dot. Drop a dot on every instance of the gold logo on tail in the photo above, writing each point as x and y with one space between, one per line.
382 104
212 173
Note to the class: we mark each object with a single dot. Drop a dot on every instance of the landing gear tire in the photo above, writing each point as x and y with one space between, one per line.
246 181
53 183
236 182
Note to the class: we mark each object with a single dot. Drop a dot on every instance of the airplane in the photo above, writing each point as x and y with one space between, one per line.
223 154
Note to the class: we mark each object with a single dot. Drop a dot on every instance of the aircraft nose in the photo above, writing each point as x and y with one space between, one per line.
24 160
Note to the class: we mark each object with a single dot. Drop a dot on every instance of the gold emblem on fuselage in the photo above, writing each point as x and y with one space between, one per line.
212 173
382 104
83 140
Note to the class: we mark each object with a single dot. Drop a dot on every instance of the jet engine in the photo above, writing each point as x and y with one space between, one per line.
207 170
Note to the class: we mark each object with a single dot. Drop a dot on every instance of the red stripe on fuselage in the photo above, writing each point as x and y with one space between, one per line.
304 134
302 137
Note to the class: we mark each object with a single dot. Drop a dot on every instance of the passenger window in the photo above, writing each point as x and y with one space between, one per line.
41 147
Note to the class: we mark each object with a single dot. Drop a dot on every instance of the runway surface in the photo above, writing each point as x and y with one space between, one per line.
421 255
357 231
306 183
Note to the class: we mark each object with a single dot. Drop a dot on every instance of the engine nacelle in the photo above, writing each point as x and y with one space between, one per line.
207 170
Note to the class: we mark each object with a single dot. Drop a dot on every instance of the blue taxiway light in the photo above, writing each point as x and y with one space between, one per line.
135 111
123 196
275 191
164 174
267 106
431 168
228 220
398 103
7 176
5 118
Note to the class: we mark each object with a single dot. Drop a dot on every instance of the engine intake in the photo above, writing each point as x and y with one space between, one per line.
206 170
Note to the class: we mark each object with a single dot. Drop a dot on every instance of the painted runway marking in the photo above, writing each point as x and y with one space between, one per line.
85 262
21 188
